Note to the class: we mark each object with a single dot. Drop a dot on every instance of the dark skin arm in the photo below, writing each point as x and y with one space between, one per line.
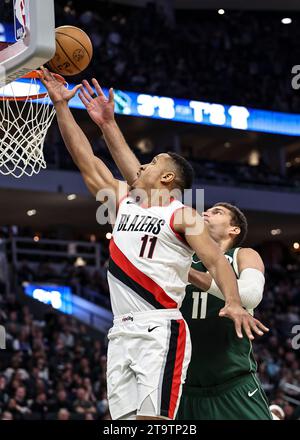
94 172
101 111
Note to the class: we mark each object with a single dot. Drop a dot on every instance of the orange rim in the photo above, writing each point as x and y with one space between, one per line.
35 74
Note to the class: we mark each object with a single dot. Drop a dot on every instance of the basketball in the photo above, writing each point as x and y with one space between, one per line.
74 51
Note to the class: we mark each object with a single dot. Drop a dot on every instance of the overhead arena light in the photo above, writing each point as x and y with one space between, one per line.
276 231
31 212
80 262
286 20
296 245
221 11
72 197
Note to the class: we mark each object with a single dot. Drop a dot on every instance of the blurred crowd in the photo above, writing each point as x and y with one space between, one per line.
88 283
217 172
201 55
52 368
239 174
278 353
214 172
236 58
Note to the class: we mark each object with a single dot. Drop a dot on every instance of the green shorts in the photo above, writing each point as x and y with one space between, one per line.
239 399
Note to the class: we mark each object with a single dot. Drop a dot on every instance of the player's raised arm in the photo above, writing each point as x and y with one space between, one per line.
101 111
95 173
250 284
190 223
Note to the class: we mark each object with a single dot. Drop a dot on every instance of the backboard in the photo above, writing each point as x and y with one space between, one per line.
27 37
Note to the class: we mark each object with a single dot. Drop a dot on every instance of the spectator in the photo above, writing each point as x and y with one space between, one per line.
3 392
63 414
40 405
89 416
7 416
48 376
83 403
61 401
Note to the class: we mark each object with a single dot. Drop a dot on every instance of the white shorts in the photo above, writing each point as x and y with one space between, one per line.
147 360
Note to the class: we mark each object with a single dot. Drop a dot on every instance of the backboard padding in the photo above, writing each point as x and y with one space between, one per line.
35 49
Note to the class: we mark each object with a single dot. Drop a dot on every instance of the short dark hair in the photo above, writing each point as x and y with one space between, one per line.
186 172
238 218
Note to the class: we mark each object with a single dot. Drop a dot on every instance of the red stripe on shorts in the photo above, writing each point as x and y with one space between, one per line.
176 382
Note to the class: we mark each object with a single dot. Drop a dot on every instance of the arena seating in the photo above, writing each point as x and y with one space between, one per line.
138 50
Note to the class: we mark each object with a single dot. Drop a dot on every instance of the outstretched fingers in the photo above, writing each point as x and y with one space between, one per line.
89 90
238 327
258 327
244 323
98 88
247 328
261 326
255 328
252 325
46 74
111 97
76 88
86 94
82 98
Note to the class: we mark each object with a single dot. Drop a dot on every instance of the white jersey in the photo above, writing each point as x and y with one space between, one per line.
149 261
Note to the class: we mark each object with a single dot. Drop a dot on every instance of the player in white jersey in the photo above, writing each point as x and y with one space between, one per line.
146 289
144 252
154 238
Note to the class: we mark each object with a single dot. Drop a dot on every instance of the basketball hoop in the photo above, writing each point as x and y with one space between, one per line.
25 116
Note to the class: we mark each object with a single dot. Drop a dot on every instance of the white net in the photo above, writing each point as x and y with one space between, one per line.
23 128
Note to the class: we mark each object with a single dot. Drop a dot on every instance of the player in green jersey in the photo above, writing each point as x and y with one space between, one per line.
221 381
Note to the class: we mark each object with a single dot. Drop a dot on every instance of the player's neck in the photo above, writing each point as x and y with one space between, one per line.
225 244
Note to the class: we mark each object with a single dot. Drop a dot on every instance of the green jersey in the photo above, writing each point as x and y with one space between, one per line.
218 355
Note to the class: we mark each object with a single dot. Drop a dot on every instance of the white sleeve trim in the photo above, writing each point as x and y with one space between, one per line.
251 286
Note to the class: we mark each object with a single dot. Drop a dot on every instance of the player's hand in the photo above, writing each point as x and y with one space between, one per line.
243 321
57 90
100 108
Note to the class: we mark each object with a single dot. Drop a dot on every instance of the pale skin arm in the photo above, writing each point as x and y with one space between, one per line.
190 223
247 258
101 111
94 172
